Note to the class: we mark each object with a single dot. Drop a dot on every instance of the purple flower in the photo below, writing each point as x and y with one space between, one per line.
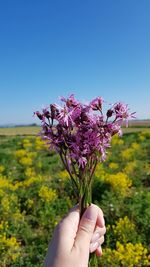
121 110
39 115
82 162
81 134
70 101
96 104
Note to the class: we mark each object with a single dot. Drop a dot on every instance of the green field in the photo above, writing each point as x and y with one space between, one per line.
35 192
24 130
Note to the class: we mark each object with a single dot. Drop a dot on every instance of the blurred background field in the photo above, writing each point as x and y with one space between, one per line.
35 193
19 130
134 126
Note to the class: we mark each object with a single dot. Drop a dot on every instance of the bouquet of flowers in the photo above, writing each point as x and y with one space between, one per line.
81 134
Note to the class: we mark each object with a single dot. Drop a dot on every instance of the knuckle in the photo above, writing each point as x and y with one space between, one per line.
87 229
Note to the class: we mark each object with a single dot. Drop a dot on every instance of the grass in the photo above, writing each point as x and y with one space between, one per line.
136 129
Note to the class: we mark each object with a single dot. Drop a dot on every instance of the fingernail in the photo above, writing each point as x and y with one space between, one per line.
103 221
95 237
93 246
90 213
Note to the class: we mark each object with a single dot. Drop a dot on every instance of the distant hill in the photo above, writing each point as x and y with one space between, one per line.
139 123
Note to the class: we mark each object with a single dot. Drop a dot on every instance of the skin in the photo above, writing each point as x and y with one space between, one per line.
75 239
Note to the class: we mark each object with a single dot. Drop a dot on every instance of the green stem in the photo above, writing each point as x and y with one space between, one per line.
93 260
85 197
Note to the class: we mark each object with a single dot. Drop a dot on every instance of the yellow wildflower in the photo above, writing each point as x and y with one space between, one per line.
29 172
2 193
26 143
11 247
31 180
130 167
135 146
17 185
4 183
2 168
113 165
143 135
29 203
129 153
116 140
47 194
18 216
40 144
63 175
12 242
119 182
5 203
20 153
3 225
127 255
132 254
123 229
99 172
25 158
31 154
26 161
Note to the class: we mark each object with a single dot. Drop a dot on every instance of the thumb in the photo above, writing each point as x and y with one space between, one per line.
86 228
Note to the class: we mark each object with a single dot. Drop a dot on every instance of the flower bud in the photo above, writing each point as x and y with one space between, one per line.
39 115
109 113
46 113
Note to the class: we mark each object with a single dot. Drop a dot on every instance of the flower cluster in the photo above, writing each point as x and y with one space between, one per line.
47 194
119 182
127 255
81 133
124 230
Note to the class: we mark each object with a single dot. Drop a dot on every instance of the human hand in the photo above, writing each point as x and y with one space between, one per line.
74 239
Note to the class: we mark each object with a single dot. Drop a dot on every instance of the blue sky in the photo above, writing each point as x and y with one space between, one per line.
85 47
